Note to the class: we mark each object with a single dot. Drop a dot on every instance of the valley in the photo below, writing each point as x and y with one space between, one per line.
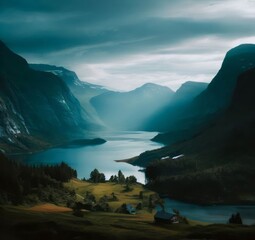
193 146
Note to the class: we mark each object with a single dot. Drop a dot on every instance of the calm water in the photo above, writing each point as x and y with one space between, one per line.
119 145
212 213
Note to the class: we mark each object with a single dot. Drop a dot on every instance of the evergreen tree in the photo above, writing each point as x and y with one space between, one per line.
121 177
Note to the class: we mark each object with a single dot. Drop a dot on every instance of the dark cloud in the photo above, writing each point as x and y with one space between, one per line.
81 32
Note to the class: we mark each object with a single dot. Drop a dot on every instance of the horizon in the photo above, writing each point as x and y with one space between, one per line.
122 46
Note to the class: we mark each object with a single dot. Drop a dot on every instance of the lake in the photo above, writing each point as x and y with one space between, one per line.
211 213
119 145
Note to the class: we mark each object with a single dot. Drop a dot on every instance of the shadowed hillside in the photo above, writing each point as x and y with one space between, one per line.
218 164
212 102
36 108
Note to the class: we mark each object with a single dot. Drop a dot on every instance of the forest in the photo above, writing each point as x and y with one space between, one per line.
21 183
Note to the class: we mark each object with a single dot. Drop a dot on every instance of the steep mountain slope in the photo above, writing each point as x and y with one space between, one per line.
218 164
83 91
35 104
216 98
180 100
188 91
129 110
220 91
78 87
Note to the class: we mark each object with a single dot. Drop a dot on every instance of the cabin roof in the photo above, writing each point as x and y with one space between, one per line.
130 208
164 215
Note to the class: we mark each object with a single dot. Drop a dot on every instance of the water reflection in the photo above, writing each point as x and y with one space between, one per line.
119 145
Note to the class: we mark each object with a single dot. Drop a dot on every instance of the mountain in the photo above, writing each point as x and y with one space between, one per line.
219 93
129 110
188 91
35 106
77 86
83 91
208 105
217 165
180 100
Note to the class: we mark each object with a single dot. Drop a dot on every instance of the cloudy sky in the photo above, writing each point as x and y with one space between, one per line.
125 43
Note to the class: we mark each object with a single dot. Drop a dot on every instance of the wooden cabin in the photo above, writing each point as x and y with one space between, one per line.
130 209
165 217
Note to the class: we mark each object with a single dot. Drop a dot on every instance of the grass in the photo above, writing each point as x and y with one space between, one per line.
48 207
48 221
101 189
21 223
27 224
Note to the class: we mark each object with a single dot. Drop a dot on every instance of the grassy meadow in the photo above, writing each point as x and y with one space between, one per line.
49 221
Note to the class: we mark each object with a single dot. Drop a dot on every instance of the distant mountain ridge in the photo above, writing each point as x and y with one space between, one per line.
35 106
161 119
188 91
129 110
70 77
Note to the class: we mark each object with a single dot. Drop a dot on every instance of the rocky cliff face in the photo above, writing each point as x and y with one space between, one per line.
35 104
83 91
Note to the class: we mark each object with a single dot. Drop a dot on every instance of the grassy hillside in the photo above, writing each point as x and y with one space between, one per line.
101 189
48 221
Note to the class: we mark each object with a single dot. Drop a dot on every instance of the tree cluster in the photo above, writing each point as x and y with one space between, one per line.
97 177
121 179
235 219
22 183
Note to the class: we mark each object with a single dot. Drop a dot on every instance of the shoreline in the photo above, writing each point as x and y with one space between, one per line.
128 160
59 145
190 201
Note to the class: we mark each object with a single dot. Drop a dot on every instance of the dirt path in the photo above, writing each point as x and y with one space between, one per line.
48 207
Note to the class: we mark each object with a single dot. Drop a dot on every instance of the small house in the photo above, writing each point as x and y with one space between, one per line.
165 217
130 209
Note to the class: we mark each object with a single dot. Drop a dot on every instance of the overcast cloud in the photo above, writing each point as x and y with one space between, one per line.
125 43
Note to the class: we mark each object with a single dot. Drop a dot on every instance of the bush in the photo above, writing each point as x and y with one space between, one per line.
77 209
141 194
127 188
131 180
89 198
113 197
139 206
78 213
